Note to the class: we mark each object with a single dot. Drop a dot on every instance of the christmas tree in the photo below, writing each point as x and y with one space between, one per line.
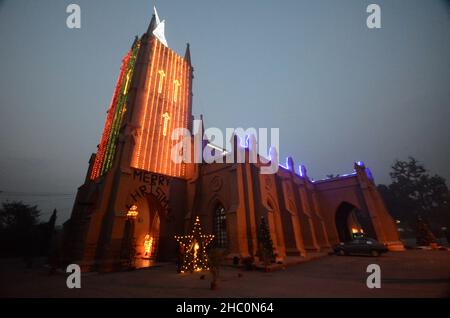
194 246
265 245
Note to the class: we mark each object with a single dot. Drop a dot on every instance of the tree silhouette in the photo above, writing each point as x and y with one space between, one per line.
415 192
18 230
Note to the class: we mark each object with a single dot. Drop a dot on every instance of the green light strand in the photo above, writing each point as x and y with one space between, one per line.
119 113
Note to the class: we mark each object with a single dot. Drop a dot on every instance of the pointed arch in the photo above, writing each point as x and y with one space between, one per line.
350 220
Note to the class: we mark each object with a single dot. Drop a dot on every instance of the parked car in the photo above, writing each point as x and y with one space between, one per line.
361 246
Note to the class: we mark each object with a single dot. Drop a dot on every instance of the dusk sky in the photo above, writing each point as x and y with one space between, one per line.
338 91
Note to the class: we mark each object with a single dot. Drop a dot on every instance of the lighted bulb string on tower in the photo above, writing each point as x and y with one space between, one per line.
109 120
172 110
108 143
158 164
164 109
144 132
120 111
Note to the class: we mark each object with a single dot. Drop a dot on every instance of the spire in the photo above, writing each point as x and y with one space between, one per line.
187 54
135 41
152 25
203 124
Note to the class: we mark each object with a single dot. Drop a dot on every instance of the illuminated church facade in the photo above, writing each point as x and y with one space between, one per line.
135 199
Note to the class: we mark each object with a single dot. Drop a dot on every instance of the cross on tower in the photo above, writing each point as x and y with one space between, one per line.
161 79
176 84
166 118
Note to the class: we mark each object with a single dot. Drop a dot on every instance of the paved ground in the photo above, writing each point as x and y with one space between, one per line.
404 274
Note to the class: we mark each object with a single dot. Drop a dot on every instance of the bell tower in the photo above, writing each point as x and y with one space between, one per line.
125 202
153 95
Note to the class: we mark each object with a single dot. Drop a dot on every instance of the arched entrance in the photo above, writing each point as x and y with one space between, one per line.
352 222
141 232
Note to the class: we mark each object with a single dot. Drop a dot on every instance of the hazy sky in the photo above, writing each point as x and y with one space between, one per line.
338 91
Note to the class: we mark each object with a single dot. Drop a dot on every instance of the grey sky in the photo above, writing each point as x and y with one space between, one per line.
338 91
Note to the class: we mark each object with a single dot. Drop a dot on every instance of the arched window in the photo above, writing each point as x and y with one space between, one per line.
220 226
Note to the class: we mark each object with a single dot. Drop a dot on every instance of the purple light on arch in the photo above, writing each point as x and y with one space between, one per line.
287 164
243 142
348 174
369 174
246 142
360 163
302 170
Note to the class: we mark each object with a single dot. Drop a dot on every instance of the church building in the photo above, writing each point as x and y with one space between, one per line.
135 199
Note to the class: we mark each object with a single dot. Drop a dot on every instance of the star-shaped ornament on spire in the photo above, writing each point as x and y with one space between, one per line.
159 29
193 247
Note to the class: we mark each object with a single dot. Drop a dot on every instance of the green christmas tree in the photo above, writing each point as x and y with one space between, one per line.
424 235
265 244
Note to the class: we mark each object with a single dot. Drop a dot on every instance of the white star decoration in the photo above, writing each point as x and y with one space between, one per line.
159 30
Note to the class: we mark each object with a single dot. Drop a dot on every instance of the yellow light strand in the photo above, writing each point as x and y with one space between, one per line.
153 114
143 118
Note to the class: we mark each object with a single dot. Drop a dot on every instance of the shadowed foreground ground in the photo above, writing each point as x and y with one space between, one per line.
404 274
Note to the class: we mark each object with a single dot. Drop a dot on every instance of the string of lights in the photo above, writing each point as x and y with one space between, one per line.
98 163
108 143
165 105
195 258
120 112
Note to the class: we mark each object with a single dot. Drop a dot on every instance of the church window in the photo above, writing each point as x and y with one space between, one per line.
220 227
